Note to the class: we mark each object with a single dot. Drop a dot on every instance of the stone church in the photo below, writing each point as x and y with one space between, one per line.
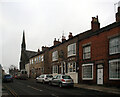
25 54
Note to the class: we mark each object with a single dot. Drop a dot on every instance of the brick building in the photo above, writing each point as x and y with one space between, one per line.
38 63
63 57
99 54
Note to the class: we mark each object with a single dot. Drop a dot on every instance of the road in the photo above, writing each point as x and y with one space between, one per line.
30 88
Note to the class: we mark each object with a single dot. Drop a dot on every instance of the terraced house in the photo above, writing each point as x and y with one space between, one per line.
63 57
39 63
99 54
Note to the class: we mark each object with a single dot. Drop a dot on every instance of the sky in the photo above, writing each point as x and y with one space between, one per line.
44 20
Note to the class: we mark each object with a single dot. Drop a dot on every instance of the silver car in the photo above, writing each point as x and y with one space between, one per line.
44 78
62 80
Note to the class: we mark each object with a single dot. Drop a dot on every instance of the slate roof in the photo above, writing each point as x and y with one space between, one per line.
29 54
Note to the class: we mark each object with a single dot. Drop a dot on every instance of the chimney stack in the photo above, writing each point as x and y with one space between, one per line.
44 48
63 38
70 35
38 50
118 13
56 42
95 25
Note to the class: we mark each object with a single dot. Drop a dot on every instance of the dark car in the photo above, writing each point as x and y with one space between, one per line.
7 78
62 80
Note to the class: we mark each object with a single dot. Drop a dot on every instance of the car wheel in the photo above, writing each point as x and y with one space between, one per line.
60 85
36 81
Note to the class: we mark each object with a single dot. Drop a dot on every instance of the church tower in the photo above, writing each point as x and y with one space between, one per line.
23 45
23 50
25 54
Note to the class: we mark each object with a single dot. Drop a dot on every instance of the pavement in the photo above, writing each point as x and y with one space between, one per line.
113 90
4 92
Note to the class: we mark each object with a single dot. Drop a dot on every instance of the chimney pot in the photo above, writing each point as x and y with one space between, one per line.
70 35
56 42
63 38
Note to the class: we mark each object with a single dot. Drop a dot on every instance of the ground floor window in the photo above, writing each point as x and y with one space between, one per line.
72 67
55 69
87 71
114 69
42 70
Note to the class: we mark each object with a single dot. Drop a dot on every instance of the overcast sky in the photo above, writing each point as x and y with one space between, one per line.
44 20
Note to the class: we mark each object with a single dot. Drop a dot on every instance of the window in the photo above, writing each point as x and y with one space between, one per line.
35 60
55 56
72 49
39 58
72 67
114 69
32 61
55 69
87 71
42 70
114 45
42 58
86 52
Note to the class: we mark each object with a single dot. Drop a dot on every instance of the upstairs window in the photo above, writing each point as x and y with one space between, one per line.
32 61
114 45
72 49
87 52
42 58
39 58
55 56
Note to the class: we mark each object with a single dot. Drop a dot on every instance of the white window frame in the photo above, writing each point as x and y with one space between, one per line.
32 61
70 50
54 67
70 65
90 64
55 56
39 58
114 45
84 53
42 58
111 61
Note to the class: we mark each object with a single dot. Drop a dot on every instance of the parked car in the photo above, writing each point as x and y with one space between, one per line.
7 78
44 78
62 80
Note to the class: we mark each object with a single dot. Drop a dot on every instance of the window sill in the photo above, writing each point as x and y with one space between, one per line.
87 78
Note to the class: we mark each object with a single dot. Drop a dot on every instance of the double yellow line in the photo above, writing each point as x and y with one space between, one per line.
11 91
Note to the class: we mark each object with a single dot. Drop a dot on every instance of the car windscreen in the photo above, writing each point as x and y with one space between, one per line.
66 77
50 76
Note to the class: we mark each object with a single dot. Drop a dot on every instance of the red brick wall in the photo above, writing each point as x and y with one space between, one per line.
99 51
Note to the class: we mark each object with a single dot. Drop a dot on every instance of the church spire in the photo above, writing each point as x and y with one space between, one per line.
23 46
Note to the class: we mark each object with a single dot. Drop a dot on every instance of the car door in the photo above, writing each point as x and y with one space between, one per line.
58 79
39 79
54 80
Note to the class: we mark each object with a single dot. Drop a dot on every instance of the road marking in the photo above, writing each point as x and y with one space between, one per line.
34 88
54 95
11 91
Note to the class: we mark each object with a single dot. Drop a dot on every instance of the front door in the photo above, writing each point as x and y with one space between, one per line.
100 76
